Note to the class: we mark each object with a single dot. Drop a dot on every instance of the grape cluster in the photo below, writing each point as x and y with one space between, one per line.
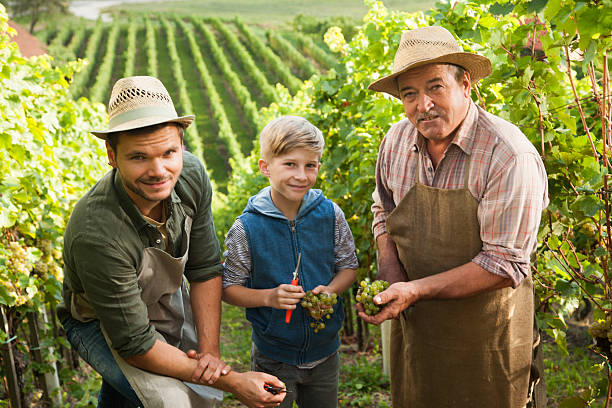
367 291
18 268
318 306
601 330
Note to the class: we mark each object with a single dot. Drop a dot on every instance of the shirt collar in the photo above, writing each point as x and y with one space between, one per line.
464 137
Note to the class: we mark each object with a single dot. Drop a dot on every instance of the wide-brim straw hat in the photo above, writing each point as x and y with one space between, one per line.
138 102
428 45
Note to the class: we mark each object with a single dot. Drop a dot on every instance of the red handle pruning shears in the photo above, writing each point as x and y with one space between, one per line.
294 282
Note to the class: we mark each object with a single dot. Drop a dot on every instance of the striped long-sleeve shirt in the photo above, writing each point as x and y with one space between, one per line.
506 176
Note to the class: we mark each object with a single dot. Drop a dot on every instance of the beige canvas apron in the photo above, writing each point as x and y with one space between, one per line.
166 294
473 352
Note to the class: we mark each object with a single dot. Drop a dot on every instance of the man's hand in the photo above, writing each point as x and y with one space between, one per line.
209 368
396 298
285 296
250 390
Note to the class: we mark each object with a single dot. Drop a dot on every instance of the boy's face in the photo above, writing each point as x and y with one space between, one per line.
291 175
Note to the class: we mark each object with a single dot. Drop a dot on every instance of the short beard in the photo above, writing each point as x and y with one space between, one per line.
139 192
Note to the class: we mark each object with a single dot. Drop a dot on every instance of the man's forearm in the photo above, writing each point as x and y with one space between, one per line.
165 359
463 281
389 265
206 305
168 360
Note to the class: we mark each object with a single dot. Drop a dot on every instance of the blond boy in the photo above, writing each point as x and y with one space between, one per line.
287 220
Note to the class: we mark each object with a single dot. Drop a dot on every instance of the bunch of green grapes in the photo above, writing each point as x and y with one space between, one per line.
601 330
18 268
318 306
367 291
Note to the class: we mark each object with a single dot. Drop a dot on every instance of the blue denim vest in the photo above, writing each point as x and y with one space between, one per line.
274 245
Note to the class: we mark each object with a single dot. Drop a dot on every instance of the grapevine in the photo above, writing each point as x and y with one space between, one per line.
319 306
366 293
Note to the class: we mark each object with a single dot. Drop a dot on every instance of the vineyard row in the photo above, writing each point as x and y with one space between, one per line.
249 68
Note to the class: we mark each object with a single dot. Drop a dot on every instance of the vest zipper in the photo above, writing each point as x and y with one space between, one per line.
306 329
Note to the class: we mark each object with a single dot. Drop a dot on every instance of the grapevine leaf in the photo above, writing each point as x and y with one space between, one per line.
535 6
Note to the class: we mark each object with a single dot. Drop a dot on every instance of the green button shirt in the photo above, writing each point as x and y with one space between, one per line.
104 243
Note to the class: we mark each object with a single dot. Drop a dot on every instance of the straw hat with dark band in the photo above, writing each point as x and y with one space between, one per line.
140 101
428 45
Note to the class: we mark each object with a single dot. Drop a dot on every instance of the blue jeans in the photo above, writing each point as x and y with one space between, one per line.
88 341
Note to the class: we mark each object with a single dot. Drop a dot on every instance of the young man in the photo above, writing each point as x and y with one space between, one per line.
459 194
140 254
289 226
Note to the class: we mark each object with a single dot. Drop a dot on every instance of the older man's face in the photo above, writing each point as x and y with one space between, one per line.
433 99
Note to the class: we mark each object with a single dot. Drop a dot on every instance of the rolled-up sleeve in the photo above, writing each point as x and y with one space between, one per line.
509 214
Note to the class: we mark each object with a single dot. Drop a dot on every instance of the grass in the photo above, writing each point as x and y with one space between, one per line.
273 13
573 377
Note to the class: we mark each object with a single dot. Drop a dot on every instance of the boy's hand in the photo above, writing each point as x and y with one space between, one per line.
323 289
285 296
209 368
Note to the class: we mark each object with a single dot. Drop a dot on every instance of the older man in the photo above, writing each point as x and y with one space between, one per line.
140 252
457 205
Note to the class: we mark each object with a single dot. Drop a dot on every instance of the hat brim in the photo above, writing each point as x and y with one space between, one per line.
477 65
184 121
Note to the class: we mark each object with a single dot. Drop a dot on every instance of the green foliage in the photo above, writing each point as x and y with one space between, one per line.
192 138
99 91
318 26
284 47
269 57
130 49
246 60
80 80
574 380
151 48
242 93
225 129
35 10
359 380
50 160
308 46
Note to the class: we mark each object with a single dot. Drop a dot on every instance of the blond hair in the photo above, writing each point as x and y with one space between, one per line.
287 133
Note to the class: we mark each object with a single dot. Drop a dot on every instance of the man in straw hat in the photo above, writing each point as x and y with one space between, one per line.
457 205
140 252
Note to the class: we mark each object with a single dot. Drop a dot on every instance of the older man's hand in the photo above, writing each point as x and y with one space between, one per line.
396 298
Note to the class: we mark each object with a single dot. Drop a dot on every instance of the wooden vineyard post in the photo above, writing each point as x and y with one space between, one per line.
9 365
37 354
48 381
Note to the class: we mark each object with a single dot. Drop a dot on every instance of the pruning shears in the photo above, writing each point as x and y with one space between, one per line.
294 282
275 390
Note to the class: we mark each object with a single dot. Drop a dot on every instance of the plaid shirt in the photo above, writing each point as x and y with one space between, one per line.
506 176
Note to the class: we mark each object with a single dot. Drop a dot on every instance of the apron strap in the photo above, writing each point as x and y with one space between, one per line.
418 169
466 176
